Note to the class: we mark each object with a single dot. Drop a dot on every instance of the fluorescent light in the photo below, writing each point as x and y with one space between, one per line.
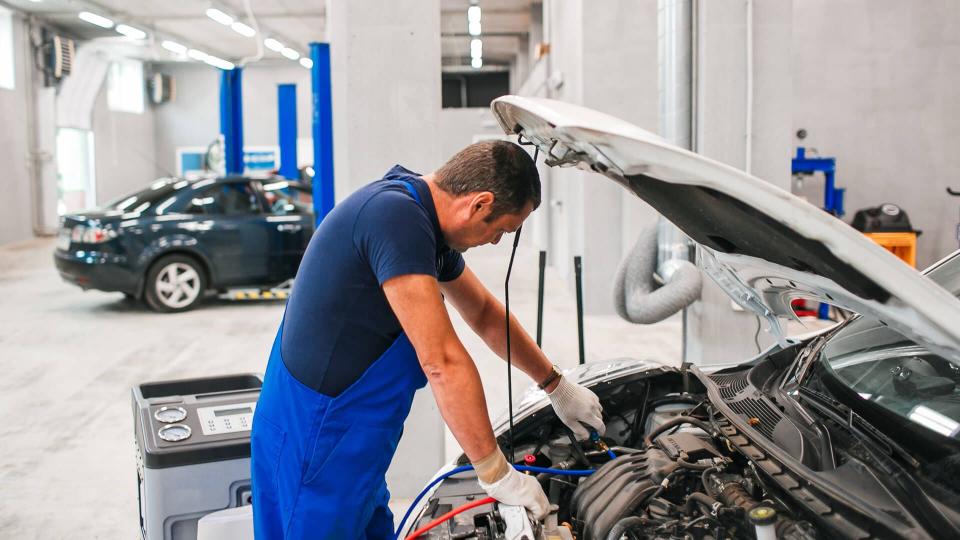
218 62
476 62
476 48
131 32
219 16
273 44
290 53
306 62
243 29
197 55
174 47
95 19
474 28
473 14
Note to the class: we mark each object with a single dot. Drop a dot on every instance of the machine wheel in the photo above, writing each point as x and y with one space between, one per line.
174 283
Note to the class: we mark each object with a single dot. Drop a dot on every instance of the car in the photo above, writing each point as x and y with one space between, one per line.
848 432
178 239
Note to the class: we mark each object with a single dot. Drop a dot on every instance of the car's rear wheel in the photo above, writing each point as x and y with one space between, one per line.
174 283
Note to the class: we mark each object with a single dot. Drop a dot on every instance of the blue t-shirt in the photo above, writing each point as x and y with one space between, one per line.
338 321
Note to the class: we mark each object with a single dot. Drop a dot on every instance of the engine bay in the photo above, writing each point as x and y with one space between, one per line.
664 469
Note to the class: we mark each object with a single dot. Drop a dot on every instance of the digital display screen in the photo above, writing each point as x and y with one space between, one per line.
231 412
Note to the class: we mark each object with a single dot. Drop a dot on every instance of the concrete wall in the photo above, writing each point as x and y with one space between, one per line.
124 150
459 128
875 86
15 205
193 119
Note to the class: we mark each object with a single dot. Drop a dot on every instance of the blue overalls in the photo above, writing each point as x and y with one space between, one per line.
318 462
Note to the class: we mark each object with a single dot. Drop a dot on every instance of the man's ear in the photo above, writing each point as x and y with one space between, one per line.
482 203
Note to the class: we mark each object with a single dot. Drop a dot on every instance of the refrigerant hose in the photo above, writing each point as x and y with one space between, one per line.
465 468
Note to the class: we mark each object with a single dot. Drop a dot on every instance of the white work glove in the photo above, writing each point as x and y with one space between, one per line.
508 486
576 406
518 489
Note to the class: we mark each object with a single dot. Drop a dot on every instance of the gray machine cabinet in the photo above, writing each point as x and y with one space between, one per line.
193 450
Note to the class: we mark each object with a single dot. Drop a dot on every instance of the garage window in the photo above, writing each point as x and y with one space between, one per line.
125 86
7 63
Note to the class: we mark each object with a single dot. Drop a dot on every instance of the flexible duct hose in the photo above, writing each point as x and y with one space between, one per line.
638 298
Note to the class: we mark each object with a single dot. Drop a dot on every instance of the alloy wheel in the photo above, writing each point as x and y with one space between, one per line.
177 285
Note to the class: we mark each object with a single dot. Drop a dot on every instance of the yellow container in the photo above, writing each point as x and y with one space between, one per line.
901 244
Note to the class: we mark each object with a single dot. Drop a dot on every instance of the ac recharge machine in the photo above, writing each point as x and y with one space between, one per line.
193 450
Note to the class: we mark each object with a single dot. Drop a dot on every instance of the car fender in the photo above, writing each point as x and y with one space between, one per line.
174 243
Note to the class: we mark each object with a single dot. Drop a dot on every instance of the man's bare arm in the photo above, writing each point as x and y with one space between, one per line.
456 385
486 316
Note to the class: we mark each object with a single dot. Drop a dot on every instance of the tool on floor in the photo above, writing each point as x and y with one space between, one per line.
193 450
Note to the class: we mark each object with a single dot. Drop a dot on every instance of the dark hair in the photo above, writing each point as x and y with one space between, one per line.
500 167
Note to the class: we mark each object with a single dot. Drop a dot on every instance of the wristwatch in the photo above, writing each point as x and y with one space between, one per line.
554 375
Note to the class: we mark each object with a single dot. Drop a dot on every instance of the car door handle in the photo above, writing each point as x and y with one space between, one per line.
290 227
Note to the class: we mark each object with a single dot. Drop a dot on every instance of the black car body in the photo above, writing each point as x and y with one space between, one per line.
222 233
852 432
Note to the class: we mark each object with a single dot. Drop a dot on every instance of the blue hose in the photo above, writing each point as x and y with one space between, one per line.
465 468
611 454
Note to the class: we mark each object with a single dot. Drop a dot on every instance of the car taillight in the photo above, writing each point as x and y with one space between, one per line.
96 234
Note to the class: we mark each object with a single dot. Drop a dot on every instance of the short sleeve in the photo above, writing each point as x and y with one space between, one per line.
451 265
394 235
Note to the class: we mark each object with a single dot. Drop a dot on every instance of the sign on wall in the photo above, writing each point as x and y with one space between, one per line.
192 160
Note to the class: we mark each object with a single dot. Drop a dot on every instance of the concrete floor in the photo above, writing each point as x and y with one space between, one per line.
69 359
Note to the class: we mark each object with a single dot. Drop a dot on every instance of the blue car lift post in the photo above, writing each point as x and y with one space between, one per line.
287 132
231 119
322 130
832 195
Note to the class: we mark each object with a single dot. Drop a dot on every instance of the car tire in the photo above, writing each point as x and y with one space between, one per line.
174 283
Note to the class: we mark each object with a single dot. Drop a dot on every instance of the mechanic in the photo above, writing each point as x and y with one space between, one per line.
367 327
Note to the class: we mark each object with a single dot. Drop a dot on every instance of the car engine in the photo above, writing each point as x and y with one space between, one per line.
663 470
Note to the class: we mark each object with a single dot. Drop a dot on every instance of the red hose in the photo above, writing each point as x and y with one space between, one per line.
450 514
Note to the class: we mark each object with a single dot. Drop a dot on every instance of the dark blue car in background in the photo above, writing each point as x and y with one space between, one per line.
178 239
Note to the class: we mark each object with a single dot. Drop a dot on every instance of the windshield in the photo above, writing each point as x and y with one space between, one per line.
157 197
887 369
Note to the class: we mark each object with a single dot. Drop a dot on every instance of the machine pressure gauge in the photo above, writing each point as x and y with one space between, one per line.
174 432
170 415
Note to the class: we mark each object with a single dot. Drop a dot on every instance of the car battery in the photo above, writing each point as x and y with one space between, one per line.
193 450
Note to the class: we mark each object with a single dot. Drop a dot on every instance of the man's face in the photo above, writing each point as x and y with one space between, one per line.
475 228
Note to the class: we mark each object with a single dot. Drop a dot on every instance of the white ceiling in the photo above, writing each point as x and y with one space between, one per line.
293 22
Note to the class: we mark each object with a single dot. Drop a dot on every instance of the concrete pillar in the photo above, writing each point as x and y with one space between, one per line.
717 333
385 63
385 67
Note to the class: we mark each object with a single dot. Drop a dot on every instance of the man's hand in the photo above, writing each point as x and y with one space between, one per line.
507 485
576 406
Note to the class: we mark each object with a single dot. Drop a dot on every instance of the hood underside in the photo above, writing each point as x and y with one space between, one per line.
761 244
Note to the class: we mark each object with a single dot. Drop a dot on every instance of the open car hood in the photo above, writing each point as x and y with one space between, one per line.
761 244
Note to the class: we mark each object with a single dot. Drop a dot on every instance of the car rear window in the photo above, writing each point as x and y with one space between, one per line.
150 200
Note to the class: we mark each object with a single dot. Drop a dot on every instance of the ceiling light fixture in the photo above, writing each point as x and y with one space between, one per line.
476 48
473 13
174 47
290 53
306 62
219 62
95 19
131 32
243 29
197 55
273 44
219 16
474 28
476 62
